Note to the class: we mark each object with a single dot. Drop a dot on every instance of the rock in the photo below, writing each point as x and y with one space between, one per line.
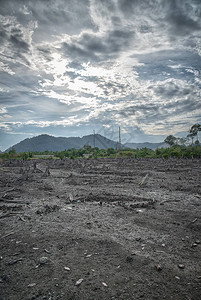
159 268
129 259
145 180
31 284
104 284
181 266
43 260
78 282
89 255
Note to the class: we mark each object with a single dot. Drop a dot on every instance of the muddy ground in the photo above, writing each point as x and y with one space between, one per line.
130 229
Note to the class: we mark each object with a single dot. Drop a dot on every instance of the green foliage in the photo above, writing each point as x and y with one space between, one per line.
170 140
176 151
110 151
88 148
194 130
12 151
145 152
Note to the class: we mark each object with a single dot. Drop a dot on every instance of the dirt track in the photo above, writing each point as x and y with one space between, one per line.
126 237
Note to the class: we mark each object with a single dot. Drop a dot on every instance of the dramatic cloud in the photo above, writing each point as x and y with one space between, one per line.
68 67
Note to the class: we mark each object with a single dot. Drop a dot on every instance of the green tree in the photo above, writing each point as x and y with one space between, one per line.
170 140
195 129
88 148
110 151
12 151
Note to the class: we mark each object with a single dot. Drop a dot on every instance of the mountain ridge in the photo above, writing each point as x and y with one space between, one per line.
47 142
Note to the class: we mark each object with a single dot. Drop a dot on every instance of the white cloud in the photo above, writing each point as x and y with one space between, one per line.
3 110
5 68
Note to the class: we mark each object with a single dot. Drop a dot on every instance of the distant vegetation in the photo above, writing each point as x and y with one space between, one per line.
173 151
189 139
178 148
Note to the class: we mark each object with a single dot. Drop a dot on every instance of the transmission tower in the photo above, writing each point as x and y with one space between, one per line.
94 139
119 140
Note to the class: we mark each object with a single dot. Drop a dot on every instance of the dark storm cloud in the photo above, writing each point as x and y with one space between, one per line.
171 89
52 16
3 34
128 7
177 17
150 112
91 47
76 52
183 18
14 36
43 50
162 65
18 43
170 57
14 46
187 105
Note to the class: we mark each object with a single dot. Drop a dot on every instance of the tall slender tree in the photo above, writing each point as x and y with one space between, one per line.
195 129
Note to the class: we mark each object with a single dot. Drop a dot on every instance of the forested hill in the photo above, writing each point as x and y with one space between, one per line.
46 142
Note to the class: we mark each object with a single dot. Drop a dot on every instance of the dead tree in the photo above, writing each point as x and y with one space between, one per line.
47 172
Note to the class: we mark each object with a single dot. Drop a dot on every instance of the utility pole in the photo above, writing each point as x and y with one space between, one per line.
116 150
94 139
94 145
119 140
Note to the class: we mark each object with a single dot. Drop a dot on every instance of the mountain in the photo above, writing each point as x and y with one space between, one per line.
152 146
45 142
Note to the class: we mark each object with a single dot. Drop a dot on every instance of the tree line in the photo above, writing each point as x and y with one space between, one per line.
178 148
193 133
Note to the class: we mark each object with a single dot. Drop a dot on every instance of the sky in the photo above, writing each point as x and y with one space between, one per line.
71 67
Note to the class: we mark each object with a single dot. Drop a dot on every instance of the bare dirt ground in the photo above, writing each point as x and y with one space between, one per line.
128 229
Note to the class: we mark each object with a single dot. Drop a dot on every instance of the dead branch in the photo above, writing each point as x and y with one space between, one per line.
6 235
